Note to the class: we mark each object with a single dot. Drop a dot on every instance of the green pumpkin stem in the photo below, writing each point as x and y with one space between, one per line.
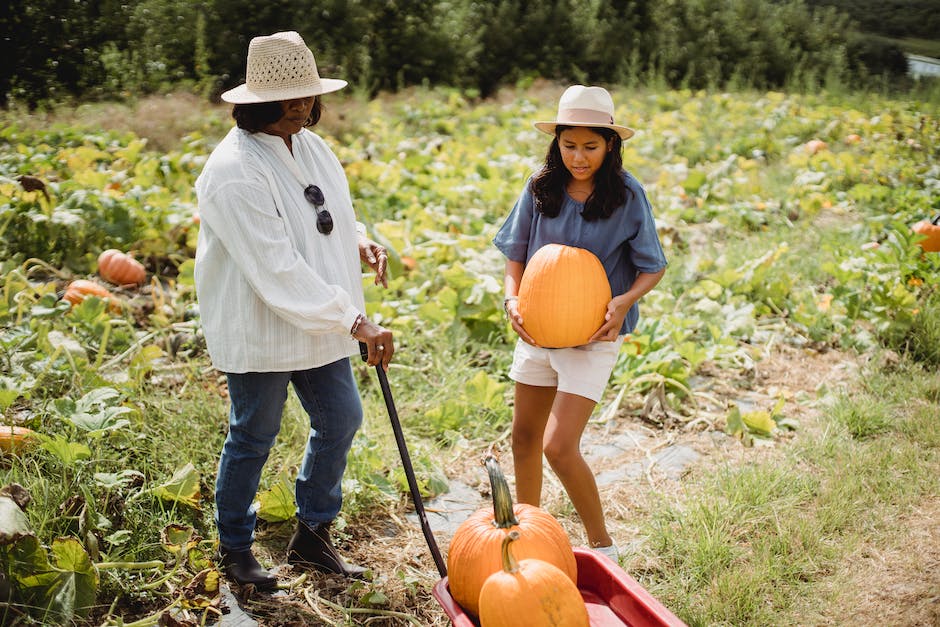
510 565
503 515
936 221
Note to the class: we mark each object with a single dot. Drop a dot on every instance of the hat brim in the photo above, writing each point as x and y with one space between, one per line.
549 127
244 95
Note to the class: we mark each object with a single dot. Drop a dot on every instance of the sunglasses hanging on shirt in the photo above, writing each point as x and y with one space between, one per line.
314 196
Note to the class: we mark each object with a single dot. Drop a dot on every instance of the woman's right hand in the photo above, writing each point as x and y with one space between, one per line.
512 310
379 342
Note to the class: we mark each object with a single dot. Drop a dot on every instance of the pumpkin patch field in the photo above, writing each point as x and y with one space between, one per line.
790 356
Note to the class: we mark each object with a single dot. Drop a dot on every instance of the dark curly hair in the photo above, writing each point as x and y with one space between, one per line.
254 117
548 184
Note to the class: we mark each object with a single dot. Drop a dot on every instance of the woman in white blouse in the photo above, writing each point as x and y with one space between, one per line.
279 283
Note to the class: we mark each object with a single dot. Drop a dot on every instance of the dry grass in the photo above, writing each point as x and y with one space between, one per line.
163 120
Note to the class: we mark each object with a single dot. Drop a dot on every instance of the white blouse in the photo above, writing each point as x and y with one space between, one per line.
275 295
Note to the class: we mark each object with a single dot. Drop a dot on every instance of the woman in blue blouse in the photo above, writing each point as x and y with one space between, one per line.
581 197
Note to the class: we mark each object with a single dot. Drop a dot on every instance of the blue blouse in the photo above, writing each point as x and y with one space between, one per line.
626 243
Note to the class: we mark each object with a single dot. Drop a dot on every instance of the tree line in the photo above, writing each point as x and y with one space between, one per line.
55 50
892 18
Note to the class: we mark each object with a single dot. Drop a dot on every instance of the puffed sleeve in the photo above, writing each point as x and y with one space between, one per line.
645 250
512 239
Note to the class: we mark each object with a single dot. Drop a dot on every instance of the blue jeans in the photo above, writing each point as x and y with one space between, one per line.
329 396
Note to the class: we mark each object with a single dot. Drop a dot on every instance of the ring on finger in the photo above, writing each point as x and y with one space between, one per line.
380 347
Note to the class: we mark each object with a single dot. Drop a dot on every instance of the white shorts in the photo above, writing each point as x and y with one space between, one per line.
582 370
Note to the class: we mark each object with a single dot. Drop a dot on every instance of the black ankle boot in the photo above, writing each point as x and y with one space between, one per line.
311 547
242 568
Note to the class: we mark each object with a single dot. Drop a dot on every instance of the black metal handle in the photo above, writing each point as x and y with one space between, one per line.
406 464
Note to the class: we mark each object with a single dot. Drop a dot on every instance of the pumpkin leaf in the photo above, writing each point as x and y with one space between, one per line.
183 487
115 480
733 422
73 593
375 597
119 537
105 420
734 426
484 391
276 504
10 390
67 452
202 591
96 411
143 362
759 422
14 525
175 537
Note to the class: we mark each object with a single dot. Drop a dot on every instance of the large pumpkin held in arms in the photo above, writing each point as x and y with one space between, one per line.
563 296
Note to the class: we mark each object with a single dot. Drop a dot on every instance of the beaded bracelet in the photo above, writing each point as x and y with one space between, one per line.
355 326
506 302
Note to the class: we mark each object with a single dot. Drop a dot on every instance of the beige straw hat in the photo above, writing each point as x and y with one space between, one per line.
585 106
280 67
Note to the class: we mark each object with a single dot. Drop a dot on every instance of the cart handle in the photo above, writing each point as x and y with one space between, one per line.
406 464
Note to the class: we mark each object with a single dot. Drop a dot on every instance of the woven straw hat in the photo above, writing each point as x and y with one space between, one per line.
585 106
280 67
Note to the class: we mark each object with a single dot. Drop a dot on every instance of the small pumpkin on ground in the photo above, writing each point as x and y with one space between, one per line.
120 268
814 146
80 289
563 296
474 552
530 592
930 229
14 439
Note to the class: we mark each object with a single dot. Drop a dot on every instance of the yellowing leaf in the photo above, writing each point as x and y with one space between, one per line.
202 591
759 421
183 487
277 504
175 536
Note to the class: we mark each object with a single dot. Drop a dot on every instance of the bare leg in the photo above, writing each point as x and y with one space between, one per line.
530 414
562 445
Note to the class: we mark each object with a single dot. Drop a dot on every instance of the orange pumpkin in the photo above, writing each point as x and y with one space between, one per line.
530 592
814 146
120 268
563 296
474 552
13 439
79 289
931 230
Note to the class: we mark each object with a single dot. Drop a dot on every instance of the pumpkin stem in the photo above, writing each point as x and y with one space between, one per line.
503 515
510 565
936 221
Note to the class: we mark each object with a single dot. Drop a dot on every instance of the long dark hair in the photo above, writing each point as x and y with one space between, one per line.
548 184
254 117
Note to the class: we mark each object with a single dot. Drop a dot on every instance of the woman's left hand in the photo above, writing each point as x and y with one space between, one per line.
376 257
613 320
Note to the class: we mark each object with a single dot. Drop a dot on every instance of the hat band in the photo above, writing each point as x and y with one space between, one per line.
584 116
